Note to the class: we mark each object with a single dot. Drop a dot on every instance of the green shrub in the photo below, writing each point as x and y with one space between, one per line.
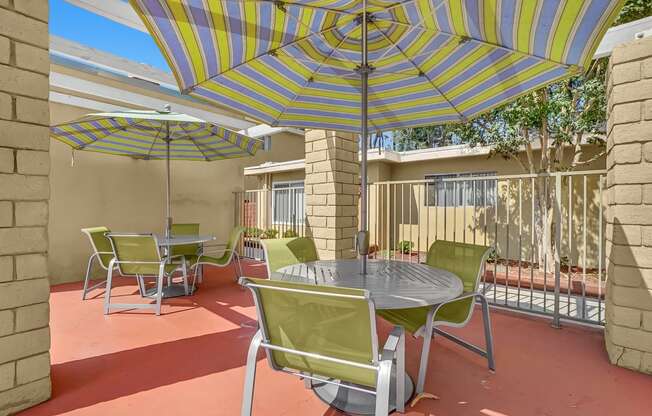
290 234
405 246
252 232
270 233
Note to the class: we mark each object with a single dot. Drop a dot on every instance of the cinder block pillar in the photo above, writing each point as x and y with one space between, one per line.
628 331
331 191
24 194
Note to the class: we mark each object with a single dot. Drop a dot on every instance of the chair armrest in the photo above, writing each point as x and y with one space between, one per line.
392 343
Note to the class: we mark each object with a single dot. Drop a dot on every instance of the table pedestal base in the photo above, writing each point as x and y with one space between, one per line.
357 402
173 291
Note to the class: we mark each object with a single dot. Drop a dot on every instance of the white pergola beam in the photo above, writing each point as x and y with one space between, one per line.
78 85
116 10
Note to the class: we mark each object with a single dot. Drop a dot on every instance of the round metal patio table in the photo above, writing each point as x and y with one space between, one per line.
391 285
174 290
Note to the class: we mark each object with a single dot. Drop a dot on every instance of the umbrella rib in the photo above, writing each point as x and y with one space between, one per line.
149 152
440 92
192 140
307 81
483 42
234 67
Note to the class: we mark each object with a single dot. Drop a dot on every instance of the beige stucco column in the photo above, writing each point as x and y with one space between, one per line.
331 192
628 332
24 193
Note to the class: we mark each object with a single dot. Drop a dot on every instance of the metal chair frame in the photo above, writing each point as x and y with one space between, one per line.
206 248
394 349
429 330
95 256
162 262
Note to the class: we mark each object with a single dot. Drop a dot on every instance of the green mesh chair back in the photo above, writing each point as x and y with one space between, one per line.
100 243
311 321
185 249
466 261
281 252
136 254
232 243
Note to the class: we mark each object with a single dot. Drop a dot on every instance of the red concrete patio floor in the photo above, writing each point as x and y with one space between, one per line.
191 361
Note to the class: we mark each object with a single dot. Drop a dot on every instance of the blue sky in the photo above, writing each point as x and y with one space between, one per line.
78 25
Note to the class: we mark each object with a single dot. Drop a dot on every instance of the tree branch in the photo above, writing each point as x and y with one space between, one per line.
595 157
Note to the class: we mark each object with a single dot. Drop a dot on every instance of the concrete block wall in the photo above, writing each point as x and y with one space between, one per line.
628 330
332 189
24 194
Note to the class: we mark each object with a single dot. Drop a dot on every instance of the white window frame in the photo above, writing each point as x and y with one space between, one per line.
295 184
458 198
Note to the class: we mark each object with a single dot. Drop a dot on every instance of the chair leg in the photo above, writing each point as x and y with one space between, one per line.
184 270
425 352
159 289
400 375
107 292
489 341
250 376
88 276
194 275
141 285
238 266
382 388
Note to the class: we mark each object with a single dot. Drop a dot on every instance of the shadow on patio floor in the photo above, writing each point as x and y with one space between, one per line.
191 361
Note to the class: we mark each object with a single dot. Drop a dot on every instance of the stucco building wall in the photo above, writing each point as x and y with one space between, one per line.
129 195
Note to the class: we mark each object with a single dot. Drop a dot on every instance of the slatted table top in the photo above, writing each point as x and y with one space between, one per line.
177 240
392 284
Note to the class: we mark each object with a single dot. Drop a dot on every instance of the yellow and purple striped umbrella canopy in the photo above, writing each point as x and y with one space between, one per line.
295 62
146 135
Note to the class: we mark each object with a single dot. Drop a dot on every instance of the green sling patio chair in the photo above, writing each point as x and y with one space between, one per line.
189 252
138 255
186 252
102 254
229 255
467 261
323 334
281 252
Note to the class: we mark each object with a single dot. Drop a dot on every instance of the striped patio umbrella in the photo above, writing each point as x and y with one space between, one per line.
155 135
354 65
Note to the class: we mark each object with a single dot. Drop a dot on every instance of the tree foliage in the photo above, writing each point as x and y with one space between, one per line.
558 118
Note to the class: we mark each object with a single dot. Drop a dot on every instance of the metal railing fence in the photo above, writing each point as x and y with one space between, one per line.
546 231
269 213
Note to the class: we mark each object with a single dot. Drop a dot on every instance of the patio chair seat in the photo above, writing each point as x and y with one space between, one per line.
222 261
229 255
412 319
146 269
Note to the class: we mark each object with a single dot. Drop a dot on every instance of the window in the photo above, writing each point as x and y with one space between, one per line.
267 143
288 202
443 193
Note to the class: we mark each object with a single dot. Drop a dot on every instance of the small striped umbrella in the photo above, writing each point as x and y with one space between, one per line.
351 65
155 135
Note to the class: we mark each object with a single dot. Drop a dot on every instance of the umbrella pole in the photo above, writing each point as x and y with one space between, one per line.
168 210
363 237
